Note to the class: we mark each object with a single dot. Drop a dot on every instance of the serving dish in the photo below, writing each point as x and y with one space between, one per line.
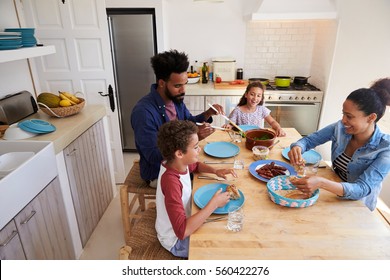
258 164
259 137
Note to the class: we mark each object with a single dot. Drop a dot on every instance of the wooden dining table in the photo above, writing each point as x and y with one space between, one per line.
333 228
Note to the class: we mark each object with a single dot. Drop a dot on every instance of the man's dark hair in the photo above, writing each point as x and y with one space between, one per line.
166 63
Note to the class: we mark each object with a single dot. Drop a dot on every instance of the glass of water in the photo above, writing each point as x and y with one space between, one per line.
238 164
235 218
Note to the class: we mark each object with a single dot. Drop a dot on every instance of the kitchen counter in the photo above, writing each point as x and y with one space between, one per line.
69 128
209 90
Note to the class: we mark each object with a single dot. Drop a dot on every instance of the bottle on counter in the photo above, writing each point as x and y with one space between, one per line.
204 73
240 74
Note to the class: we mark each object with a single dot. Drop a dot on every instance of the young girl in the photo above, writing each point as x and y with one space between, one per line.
179 146
250 110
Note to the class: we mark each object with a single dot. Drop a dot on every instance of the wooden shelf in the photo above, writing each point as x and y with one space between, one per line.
23 53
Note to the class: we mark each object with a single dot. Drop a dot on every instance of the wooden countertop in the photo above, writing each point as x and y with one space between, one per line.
330 229
69 128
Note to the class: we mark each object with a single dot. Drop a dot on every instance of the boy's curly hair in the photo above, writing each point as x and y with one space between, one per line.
173 136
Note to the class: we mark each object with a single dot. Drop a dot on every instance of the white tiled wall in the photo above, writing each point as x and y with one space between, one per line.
283 48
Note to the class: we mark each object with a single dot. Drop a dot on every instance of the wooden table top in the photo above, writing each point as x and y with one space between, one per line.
332 228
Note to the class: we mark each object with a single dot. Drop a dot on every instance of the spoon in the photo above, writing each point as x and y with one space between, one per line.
276 142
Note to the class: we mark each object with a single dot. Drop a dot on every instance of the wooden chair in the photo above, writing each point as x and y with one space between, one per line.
134 189
142 243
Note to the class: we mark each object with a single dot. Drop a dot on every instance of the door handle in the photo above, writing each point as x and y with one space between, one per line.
110 95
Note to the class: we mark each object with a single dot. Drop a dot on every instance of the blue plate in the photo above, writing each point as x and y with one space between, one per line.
203 195
310 156
257 164
221 149
37 126
246 127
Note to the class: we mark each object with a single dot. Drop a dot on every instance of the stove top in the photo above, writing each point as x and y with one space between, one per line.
292 87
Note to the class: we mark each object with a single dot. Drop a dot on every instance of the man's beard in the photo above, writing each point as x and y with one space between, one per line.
178 99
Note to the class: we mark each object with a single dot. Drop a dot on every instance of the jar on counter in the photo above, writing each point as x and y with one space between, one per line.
240 74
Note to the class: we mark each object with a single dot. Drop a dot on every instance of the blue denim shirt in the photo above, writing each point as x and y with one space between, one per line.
369 164
146 118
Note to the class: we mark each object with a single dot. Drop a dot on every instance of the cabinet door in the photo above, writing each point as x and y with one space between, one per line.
195 104
227 102
43 226
88 171
10 245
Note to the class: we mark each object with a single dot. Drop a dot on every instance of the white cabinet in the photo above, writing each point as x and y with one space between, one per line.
195 104
40 231
228 102
87 166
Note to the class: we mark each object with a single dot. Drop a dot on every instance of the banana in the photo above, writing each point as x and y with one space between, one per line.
71 96
63 97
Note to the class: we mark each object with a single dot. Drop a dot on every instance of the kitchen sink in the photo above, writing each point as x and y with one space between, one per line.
26 168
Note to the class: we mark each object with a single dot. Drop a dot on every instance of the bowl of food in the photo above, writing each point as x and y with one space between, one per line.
193 77
260 152
282 191
259 137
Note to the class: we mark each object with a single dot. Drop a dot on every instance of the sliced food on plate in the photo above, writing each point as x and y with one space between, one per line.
271 170
233 192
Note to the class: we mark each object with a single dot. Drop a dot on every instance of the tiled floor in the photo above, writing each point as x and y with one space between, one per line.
107 238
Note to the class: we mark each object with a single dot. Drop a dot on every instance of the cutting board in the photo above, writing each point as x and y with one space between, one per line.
226 85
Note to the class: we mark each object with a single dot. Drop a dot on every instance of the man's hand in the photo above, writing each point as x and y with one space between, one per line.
211 112
205 130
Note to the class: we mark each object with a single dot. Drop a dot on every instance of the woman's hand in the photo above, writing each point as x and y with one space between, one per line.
223 172
306 184
295 155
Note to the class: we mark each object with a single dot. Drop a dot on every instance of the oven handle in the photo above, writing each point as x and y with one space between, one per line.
291 104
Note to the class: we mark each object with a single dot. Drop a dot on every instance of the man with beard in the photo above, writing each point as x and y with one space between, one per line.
163 104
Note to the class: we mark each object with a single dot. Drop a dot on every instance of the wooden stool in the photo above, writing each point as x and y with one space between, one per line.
143 243
141 191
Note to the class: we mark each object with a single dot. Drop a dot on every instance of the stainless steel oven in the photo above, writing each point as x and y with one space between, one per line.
295 107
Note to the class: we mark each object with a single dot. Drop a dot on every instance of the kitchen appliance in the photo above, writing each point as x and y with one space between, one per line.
133 43
224 68
297 106
14 107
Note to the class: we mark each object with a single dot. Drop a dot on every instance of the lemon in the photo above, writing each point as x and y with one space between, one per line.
65 103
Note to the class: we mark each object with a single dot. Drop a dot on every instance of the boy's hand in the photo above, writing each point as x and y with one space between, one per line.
223 172
220 198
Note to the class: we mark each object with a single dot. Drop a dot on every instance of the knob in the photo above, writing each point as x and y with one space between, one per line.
269 97
308 98
302 98
314 98
291 98
296 97
280 98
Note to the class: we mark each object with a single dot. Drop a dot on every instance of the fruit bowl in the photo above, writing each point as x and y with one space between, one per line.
61 112
259 137
193 80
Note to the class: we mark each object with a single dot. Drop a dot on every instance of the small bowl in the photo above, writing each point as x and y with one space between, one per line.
260 152
254 138
193 80
16 133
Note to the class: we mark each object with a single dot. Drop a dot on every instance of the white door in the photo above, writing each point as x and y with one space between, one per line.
79 31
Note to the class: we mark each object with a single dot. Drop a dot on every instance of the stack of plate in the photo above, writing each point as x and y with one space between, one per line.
37 126
10 40
28 38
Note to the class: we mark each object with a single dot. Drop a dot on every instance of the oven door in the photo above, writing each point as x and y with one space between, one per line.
303 116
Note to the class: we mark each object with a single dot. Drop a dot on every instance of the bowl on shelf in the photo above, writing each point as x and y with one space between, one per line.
193 80
14 132
259 137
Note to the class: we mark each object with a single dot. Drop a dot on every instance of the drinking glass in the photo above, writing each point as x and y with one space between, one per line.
238 164
235 218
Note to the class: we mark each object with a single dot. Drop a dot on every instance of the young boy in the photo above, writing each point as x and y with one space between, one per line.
179 145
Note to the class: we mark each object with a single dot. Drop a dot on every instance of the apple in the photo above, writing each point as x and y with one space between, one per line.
218 80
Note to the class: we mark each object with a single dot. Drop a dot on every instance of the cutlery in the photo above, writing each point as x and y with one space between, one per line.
273 144
218 162
215 127
215 219
211 178
226 118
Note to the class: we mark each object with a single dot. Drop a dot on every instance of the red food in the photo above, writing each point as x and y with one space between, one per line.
271 170
218 80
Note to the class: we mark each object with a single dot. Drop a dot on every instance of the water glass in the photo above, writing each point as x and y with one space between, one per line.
308 169
238 164
235 218
237 137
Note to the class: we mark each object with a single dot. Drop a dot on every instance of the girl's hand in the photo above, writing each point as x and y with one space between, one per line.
295 155
280 132
223 172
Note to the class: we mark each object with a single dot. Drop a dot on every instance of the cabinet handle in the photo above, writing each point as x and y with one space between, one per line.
28 218
71 152
13 234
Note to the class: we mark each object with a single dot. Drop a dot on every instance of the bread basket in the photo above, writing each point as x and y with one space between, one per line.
62 112
283 183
